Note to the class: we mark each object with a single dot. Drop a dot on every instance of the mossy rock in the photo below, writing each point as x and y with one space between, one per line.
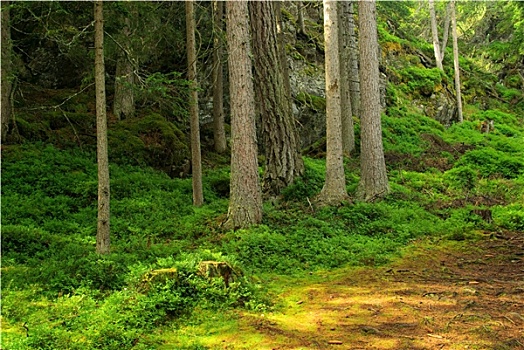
316 103
150 140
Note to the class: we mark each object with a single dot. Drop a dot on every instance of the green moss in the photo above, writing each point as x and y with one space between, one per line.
422 81
317 103
150 140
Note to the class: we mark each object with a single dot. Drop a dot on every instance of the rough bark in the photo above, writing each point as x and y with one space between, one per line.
219 133
434 33
334 190
6 71
348 130
373 178
196 160
103 228
281 145
245 203
124 100
456 60
354 79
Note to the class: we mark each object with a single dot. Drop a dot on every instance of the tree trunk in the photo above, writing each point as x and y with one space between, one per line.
348 131
219 133
300 21
434 32
6 71
354 79
281 144
103 241
196 161
334 190
373 178
456 60
446 32
245 203
124 100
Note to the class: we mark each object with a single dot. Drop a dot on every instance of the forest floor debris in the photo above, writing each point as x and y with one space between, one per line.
446 295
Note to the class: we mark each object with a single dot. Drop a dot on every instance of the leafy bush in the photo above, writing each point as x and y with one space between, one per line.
489 162
510 217
309 184
462 177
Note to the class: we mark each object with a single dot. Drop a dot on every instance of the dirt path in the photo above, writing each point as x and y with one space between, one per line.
457 296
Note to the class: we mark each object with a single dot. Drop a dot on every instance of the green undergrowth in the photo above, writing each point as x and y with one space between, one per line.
59 294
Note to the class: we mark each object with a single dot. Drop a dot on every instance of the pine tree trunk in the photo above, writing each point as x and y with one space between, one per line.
6 71
103 241
456 60
354 79
219 133
124 100
434 32
348 131
300 20
196 161
281 145
245 202
334 190
373 178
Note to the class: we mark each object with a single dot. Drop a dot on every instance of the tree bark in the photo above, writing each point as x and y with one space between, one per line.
300 18
334 190
456 60
103 241
434 33
446 32
124 100
281 144
348 130
245 203
373 178
354 79
219 133
196 161
6 71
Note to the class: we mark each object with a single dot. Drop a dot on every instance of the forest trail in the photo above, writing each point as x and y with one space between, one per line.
452 295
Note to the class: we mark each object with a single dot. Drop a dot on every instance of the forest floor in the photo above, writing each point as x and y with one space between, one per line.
449 295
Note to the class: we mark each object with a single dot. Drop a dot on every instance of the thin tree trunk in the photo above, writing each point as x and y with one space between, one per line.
373 178
245 202
6 71
334 190
434 33
124 100
196 161
219 133
281 145
456 61
103 241
354 79
301 25
446 32
348 131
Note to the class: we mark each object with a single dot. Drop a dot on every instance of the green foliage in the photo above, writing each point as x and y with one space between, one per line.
422 81
309 184
510 217
462 177
150 140
168 93
492 163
